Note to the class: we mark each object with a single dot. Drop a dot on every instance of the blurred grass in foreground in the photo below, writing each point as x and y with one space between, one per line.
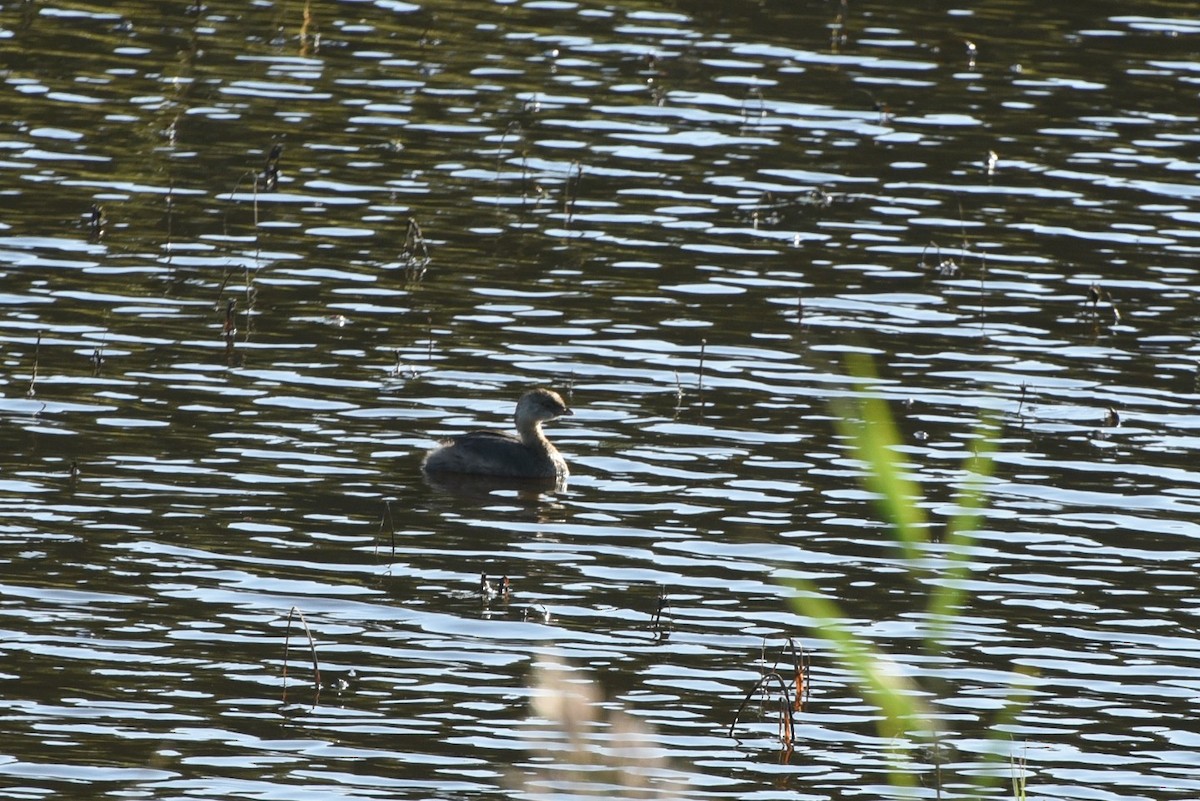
938 564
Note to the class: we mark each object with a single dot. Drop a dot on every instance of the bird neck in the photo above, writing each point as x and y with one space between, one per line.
532 435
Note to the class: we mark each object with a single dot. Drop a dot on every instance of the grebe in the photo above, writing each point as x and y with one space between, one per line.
492 453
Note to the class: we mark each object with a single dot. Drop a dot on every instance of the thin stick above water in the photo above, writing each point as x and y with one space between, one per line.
37 353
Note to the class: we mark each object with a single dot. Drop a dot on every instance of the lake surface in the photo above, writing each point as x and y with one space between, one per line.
221 363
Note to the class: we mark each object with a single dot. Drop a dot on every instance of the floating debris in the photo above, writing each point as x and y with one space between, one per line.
1095 295
538 614
344 683
773 210
414 253
943 267
881 107
754 94
270 170
97 222
399 368
489 591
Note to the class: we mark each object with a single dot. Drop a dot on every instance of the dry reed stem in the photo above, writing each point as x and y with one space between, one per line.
793 696
312 647
787 723
613 756
389 522
37 355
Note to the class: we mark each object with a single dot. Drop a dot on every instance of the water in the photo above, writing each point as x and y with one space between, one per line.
684 219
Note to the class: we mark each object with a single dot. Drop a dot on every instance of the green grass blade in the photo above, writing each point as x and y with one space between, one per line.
947 596
893 694
869 426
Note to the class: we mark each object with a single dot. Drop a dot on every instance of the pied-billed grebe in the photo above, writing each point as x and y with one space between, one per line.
492 453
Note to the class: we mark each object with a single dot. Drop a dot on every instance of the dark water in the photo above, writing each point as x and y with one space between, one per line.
683 219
